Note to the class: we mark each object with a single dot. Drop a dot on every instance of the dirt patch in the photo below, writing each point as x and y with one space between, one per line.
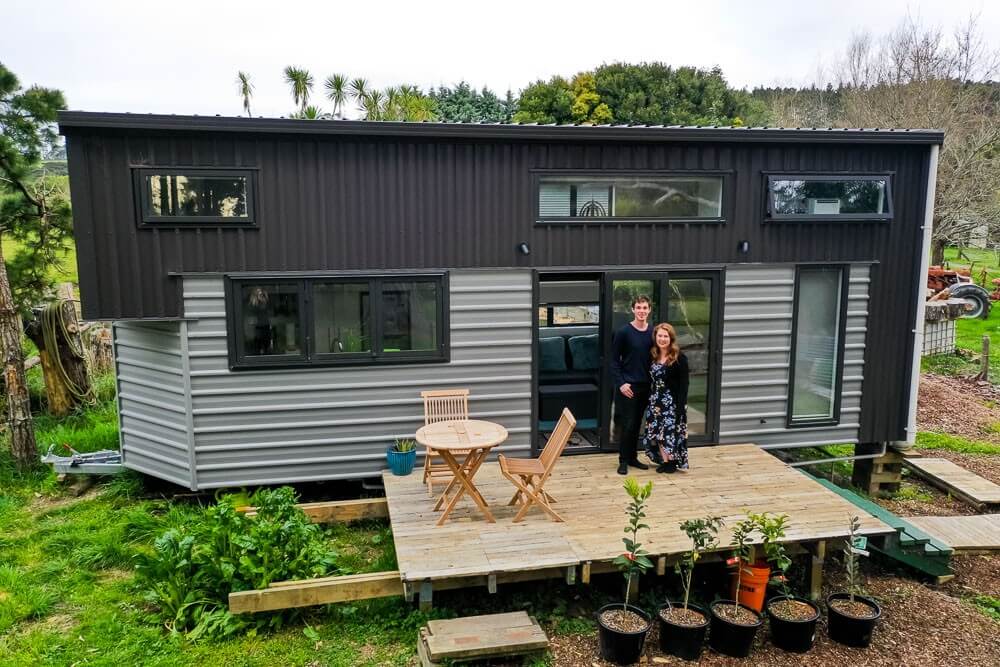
929 501
42 504
975 575
919 626
959 407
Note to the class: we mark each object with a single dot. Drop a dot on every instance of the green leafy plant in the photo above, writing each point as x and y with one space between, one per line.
743 547
404 445
703 534
634 561
193 569
851 564
772 529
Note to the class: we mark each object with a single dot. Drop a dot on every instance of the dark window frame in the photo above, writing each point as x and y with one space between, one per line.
845 279
539 175
141 197
771 176
239 361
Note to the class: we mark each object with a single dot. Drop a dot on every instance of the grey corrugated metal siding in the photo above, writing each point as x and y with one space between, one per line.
152 407
265 427
342 201
756 359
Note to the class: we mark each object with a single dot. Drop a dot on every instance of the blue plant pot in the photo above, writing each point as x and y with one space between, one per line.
401 463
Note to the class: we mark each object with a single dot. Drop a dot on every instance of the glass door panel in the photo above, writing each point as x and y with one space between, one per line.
623 291
689 309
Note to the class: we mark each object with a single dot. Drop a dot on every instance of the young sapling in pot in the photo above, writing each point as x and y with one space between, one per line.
743 557
703 533
622 628
850 604
852 616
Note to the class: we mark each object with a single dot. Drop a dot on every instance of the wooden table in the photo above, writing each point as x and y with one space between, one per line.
452 438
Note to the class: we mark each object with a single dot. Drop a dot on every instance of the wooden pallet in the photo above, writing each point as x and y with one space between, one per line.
967 486
963 533
479 637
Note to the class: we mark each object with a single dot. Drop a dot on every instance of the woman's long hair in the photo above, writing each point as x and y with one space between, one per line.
673 350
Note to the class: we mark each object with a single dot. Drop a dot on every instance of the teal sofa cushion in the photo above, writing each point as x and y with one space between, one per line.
585 353
552 354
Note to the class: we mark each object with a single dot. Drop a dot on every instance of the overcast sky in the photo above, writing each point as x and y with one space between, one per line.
179 56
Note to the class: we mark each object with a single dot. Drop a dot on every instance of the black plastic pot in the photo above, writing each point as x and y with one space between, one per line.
621 648
730 638
682 641
850 630
792 635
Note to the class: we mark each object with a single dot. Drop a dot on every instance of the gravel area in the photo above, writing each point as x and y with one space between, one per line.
975 574
920 626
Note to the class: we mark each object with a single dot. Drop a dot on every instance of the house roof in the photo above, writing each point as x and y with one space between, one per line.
72 120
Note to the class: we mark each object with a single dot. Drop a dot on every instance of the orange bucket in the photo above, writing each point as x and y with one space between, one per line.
753 586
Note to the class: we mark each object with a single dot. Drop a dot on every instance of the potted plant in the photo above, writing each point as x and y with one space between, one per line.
401 456
852 616
734 625
749 587
792 619
683 626
622 628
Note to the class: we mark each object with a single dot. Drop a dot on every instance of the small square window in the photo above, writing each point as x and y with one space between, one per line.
270 321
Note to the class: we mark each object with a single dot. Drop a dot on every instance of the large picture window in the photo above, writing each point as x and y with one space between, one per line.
319 321
636 197
195 196
816 346
827 197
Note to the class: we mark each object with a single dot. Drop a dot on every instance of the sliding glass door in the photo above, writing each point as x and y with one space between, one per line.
688 301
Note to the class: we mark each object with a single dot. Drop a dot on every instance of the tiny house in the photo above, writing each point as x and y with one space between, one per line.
282 290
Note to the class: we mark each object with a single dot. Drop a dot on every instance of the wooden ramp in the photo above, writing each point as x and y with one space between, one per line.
953 479
963 533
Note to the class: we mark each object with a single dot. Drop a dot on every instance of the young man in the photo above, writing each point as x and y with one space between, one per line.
630 371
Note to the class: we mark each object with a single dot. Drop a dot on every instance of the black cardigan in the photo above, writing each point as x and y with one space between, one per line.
677 380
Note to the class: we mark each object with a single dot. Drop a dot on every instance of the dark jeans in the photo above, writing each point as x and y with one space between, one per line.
628 414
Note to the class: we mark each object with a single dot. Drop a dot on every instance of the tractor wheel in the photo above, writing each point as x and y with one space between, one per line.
977 300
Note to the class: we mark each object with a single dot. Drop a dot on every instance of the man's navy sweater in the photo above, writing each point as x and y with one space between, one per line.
630 355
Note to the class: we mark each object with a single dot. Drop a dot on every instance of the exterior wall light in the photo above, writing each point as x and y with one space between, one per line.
743 247
524 248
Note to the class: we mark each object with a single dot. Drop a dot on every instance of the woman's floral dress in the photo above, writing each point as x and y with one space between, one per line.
666 426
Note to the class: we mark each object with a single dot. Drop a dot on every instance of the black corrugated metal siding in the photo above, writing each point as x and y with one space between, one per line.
329 202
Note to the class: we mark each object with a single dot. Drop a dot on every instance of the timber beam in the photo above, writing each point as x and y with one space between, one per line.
338 511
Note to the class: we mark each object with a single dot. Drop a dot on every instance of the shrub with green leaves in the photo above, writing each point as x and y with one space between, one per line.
193 569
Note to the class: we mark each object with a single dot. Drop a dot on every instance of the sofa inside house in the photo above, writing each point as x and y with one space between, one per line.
569 374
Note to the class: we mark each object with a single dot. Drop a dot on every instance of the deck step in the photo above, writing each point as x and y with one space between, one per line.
963 533
911 545
479 638
955 480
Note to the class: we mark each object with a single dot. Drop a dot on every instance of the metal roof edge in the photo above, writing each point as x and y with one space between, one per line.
70 120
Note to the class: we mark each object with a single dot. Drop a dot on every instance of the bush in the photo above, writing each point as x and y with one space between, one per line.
193 568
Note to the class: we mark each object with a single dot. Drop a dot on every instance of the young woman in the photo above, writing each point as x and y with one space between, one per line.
665 438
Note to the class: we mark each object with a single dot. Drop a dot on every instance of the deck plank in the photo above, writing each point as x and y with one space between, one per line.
725 480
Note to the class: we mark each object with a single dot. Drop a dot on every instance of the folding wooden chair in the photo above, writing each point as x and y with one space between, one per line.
529 475
442 405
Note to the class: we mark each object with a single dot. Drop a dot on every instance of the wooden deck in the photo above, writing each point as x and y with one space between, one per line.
967 486
962 533
724 480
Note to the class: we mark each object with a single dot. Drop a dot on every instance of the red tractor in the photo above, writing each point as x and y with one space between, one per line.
959 284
